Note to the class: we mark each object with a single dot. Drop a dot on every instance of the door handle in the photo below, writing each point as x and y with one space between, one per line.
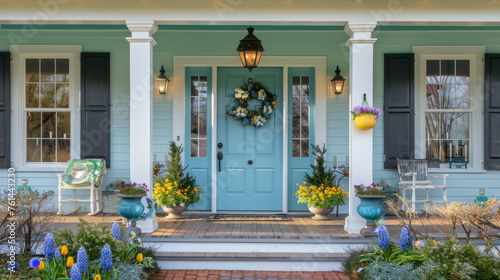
250 162
219 158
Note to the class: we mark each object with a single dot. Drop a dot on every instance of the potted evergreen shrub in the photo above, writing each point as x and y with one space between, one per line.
318 190
175 191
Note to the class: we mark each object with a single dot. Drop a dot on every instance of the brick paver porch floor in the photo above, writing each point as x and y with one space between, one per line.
248 275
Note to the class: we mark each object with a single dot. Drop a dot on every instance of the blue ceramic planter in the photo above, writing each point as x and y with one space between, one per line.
370 207
131 208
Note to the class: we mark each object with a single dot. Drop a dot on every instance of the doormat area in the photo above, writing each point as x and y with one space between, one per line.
250 217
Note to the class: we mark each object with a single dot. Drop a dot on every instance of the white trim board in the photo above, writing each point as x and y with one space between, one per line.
178 89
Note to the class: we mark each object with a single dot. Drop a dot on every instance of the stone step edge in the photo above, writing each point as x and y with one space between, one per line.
198 239
251 256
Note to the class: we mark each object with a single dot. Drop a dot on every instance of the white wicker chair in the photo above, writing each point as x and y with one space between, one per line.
413 175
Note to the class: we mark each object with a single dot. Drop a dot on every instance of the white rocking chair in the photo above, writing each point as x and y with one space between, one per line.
413 175
82 174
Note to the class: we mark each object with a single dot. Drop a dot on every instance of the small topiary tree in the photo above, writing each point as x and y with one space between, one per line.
321 174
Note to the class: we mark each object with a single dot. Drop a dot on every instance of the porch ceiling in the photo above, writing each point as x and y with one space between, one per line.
258 12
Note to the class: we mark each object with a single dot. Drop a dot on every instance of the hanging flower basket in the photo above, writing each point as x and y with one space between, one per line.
364 116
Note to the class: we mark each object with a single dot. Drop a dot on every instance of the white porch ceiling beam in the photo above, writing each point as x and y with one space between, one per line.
222 12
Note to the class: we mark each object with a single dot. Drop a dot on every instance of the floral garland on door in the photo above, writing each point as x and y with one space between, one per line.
239 110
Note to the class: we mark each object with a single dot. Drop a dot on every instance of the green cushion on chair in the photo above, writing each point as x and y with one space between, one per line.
78 172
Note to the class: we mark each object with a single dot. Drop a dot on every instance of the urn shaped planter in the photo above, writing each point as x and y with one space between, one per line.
174 212
131 208
370 209
320 214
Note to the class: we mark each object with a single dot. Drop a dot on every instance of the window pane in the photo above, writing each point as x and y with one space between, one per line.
300 116
63 150
63 125
47 95
296 118
33 150
32 96
296 148
62 70
304 117
47 70
432 67
62 97
48 125
194 148
203 148
48 150
33 125
32 70
305 148
199 116
457 125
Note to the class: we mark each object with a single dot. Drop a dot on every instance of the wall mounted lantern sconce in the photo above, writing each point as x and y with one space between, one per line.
250 50
162 82
338 82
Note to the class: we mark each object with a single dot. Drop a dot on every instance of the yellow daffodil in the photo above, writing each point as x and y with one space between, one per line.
64 249
41 266
97 277
70 262
139 257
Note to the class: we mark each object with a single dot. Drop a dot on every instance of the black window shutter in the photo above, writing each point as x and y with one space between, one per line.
95 113
399 117
4 110
492 112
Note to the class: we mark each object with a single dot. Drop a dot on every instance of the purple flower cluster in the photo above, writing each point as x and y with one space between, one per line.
366 110
383 237
405 239
49 246
106 258
82 260
74 273
115 231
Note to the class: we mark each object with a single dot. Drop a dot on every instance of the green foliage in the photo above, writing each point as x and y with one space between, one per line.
176 187
132 190
351 265
392 254
92 237
453 260
127 271
388 271
321 174
148 264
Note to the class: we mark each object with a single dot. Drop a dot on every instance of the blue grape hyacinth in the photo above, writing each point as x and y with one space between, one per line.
106 258
82 260
49 247
405 239
115 231
383 237
58 255
74 273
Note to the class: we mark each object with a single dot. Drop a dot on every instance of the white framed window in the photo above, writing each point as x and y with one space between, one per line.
449 106
46 103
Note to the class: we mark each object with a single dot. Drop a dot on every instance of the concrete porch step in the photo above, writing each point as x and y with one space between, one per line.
253 254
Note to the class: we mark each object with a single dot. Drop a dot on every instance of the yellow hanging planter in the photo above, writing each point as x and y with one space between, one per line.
365 121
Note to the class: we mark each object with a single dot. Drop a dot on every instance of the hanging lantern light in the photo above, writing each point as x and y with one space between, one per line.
250 50
338 82
162 81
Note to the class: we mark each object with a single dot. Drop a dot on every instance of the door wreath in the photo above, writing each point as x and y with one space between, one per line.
239 108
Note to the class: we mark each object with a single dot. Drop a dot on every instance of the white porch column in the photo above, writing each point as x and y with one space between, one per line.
141 109
360 141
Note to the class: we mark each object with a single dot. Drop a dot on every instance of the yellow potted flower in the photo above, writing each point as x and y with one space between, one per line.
175 191
318 191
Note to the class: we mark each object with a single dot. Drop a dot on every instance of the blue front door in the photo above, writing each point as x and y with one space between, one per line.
251 170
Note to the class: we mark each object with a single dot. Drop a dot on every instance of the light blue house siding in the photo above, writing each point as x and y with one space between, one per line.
313 41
